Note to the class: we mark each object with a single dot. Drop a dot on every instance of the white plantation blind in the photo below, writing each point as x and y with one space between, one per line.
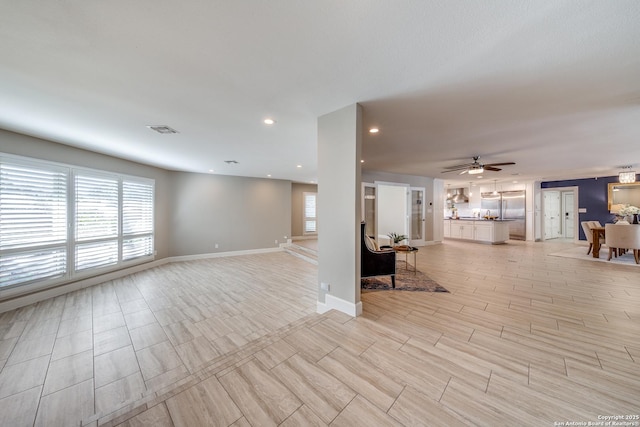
137 207
96 207
137 219
310 220
33 222
59 223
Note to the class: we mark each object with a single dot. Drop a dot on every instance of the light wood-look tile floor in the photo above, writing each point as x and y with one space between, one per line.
522 339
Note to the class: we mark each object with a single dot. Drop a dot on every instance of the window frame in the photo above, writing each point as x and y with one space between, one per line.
71 242
306 218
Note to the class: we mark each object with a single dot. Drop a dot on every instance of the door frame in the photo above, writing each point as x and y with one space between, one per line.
576 214
417 242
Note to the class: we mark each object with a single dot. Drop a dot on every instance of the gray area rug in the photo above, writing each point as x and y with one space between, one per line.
405 281
580 252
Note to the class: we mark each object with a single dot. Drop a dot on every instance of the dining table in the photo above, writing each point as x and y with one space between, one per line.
598 233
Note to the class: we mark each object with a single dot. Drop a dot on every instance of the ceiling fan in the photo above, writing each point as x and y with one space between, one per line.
476 167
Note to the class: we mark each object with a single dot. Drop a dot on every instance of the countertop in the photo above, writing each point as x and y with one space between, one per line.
470 218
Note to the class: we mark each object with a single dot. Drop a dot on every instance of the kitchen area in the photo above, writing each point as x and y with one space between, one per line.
485 215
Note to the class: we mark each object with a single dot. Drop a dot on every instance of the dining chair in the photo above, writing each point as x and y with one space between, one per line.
586 227
623 236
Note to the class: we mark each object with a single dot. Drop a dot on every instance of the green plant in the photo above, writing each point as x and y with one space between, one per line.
397 238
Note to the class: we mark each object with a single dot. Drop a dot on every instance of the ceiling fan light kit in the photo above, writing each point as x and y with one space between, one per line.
476 167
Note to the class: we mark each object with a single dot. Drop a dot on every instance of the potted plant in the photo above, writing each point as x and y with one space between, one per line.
396 238
631 212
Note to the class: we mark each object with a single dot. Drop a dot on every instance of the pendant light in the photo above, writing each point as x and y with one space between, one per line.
495 190
627 176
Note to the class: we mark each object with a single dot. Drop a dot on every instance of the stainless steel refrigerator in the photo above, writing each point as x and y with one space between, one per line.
507 205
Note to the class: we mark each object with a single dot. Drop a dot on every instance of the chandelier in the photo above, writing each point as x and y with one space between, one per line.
627 176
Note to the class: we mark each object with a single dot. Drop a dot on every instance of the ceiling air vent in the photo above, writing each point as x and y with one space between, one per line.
231 162
163 129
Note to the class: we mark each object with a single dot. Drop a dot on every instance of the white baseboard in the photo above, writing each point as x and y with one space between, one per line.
309 237
334 303
223 254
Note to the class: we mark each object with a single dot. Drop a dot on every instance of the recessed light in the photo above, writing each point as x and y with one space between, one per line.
268 175
162 129
269 121
210 170
479 177
361 161
299 166
374 130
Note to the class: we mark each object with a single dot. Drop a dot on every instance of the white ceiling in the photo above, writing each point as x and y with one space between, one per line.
551 85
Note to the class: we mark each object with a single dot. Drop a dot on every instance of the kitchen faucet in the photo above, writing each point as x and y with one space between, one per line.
488 212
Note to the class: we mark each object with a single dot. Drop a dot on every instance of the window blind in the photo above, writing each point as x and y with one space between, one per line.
310 221
137 219
59 223
33 222
96 219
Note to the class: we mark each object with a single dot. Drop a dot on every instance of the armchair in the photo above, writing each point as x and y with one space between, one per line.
374 262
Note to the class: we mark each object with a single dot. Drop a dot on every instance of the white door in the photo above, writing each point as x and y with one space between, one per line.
417 211
552 229
569 215
392 214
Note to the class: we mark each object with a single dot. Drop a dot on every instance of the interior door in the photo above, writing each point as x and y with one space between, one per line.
369 209
569 214
552 229
392 210
417 211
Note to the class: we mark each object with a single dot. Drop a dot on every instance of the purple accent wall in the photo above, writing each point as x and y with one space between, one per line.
592 195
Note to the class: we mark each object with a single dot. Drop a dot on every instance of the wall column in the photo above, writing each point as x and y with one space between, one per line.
339 186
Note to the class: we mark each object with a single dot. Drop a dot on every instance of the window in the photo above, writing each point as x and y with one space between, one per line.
96 231
33 223
310 221
58 223
137 219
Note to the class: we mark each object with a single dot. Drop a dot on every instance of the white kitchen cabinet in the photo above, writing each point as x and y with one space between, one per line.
494 232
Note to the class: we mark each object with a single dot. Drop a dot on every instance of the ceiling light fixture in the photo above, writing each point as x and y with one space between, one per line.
470 193
627 176
374 130
476 170
162 129
299 166
269 121
495 190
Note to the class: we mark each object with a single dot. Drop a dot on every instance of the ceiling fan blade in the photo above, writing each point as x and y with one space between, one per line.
491 168
468 165
455 170
499 164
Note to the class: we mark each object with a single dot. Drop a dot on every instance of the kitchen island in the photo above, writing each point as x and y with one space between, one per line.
494 232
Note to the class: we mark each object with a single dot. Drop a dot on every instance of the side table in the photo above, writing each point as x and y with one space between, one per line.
406 250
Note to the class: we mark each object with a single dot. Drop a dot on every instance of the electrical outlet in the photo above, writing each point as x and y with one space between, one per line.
325 287
216 246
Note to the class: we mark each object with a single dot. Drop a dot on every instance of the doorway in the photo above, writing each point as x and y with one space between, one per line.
560 213
391 210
